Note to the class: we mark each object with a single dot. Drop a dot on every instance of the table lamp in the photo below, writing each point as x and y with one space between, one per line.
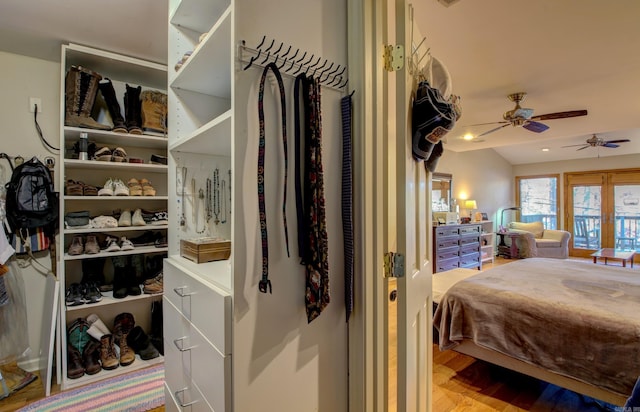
470 205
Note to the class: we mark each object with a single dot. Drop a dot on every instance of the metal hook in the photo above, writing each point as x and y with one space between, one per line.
318 68
262 42
342 86
266 58
293 61
279 48
338 76
271 45
325 70
302 58
303 64
252 60
288 50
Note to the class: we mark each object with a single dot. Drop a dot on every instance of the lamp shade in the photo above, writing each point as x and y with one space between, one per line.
470 204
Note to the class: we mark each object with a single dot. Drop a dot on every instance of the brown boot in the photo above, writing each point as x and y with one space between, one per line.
91 357
154 111
127 355
81 88
108 353
122 325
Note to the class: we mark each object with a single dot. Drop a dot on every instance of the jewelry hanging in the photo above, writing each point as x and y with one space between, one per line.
183 219
216 196
200 201
230 208
209 204
224 204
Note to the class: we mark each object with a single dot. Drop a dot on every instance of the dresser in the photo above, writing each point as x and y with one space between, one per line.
456 246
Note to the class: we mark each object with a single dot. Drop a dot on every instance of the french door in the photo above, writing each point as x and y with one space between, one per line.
603 210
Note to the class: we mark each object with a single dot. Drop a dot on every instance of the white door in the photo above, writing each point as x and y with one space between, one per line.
409 221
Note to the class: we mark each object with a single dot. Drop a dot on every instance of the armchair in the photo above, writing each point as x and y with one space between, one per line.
536 241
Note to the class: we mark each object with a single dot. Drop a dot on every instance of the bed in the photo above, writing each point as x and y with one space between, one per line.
571 323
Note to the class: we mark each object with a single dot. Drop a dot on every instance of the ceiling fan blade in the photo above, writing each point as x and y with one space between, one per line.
618 141
584 147
609 144
492 130
535 127
484 124
560 115
574 145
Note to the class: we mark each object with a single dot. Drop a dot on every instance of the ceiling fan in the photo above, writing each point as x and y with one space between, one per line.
523 117
596 141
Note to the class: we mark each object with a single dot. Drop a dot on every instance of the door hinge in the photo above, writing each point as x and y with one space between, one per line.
393 265
393 57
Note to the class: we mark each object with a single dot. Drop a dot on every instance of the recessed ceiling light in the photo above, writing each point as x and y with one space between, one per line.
545 149
468 136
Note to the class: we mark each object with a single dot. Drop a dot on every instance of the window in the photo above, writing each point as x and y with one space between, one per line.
538 198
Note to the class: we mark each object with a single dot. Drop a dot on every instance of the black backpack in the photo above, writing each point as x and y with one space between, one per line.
31 200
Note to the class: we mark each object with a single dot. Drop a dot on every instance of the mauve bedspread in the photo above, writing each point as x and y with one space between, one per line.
574 318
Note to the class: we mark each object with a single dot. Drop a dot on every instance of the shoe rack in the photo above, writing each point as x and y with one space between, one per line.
122 71
197 303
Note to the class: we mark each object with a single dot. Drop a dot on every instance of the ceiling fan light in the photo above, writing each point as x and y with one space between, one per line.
545 149
468 137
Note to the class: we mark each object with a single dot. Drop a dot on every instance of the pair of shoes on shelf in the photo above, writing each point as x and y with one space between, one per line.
140 187
158 159
83 351
148 238
105 154
76 188
114 187
80 293
111 244
153 285
79 245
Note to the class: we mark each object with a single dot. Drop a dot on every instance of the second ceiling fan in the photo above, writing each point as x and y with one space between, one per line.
523 117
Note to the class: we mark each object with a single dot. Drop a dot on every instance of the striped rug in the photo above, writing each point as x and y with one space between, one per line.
137 391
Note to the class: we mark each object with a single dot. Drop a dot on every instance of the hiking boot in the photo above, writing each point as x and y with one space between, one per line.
77 335
76 247
132 108
108 356
91 246
122 325
141 344
109 94
119 188
75 368
91 357
154 111
155 285
81 88
73 296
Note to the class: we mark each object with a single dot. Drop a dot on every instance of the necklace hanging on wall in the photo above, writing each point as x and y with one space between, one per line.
224 201
200 202
183 218
209 203
216 196
230 192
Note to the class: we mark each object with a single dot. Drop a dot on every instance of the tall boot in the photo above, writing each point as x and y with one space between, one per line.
120 286
132 107
109 94
155 334
81 88
154 111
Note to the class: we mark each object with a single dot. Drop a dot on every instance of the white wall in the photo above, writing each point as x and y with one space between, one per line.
280 362
581 165
481 175
24 77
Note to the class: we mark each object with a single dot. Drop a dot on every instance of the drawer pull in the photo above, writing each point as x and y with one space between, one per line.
180 346
180 401
179 291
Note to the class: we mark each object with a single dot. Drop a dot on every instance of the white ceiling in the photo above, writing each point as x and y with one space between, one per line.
566 54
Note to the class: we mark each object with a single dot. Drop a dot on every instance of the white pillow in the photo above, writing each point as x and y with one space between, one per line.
534 227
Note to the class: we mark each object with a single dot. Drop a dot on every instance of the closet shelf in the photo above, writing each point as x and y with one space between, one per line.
208 69
105 374
71 134
115 198
214 138
136 251
197 15
116 229
108 299
95 164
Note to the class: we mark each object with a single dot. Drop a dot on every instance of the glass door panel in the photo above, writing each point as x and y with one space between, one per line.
587 209
626 216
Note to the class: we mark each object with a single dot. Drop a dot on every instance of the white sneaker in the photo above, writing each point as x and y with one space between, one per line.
111 244
125 218
119 188
125 244
137 219
107 189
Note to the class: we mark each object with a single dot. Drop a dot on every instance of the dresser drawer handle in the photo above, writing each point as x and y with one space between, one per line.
180 401
180 346
179 292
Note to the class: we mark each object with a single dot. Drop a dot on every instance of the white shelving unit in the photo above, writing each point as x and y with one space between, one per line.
121 70
197 305
487 241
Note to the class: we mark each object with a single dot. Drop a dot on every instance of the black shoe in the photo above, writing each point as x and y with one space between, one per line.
74 295
91 293
141 344
157 159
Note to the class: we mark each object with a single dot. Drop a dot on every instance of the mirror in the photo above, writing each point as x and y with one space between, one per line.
441 189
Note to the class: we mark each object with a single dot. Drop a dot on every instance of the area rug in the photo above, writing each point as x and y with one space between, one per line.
137 391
